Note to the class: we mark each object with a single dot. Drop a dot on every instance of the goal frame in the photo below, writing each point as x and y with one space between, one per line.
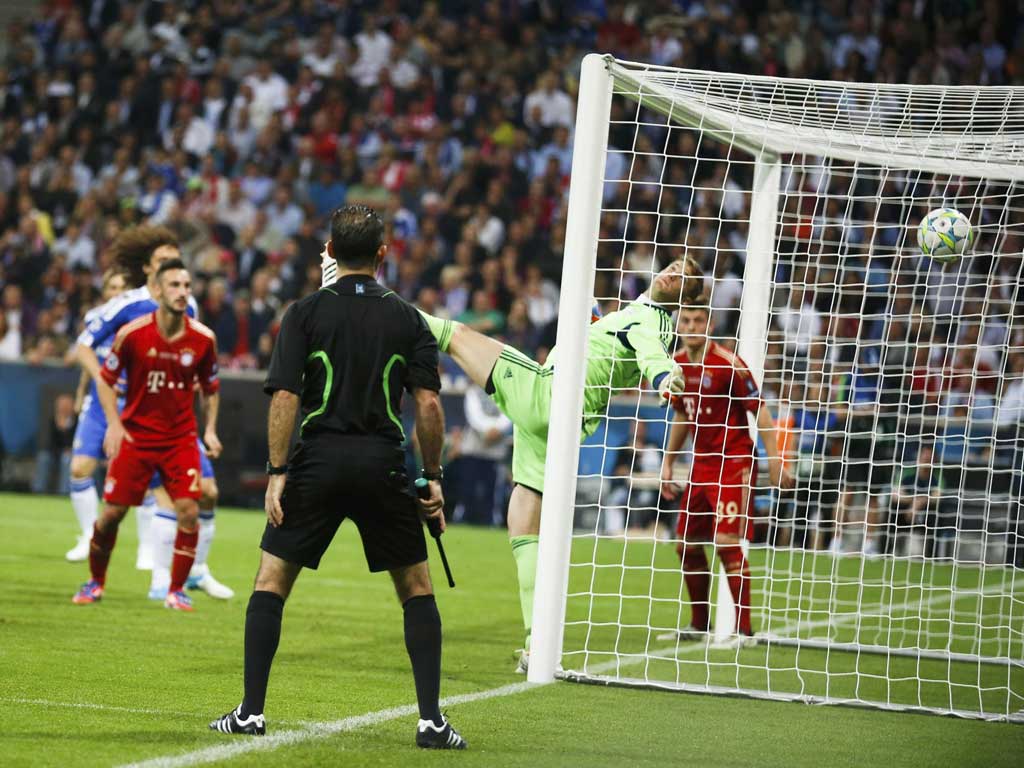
766 140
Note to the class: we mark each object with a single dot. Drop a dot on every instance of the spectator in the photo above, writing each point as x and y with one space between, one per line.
914 509
548 106
284 215
633 499
10 340
55 452
801 325
485 443
373 47
481 315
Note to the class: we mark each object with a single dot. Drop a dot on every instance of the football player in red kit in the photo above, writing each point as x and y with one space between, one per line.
163 355
720 391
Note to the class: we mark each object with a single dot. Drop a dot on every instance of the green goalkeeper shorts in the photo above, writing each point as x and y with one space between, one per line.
522 390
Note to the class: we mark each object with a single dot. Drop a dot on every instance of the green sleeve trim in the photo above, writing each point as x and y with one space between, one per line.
329 370
387 394
330 290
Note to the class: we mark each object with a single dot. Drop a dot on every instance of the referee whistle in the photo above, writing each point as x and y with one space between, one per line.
434 526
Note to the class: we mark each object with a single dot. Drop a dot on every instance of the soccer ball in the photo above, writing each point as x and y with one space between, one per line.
944 234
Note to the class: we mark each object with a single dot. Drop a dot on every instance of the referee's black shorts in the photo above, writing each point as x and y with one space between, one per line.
331 478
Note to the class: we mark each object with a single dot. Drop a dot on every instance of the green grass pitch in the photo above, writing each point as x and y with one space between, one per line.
126 681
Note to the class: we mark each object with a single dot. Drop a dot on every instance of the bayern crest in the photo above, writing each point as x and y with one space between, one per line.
187 358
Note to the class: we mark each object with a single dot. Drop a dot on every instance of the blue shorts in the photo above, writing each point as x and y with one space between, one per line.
92 426
205 465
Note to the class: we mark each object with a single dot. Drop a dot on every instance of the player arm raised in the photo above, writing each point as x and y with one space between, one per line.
779 475
654 362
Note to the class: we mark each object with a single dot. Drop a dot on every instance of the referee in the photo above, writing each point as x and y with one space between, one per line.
343 356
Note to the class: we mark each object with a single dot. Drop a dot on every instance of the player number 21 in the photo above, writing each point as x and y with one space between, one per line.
193 476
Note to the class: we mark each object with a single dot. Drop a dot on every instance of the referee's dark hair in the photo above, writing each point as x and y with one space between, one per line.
357 233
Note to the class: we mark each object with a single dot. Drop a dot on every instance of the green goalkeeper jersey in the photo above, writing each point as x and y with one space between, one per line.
623 347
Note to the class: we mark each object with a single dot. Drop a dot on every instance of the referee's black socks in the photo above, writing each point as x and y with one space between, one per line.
262 633
423 642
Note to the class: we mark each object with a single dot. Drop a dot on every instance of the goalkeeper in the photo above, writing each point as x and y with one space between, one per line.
623 348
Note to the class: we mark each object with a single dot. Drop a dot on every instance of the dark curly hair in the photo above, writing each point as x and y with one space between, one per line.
133 248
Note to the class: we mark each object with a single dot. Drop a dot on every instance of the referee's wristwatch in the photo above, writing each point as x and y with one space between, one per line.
437 475
272 470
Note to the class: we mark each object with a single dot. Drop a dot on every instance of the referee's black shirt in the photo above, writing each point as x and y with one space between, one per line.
348 351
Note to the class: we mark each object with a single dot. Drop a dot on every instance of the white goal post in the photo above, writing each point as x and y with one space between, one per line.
893 576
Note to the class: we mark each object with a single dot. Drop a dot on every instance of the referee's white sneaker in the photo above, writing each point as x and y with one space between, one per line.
234 723
430 736
201 578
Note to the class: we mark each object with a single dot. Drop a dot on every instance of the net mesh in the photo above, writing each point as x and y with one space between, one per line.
891 574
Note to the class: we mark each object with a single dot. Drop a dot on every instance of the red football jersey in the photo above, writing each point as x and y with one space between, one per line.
720 391
161 375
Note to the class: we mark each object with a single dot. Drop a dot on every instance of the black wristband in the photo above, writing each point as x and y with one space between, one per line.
437 476
272 470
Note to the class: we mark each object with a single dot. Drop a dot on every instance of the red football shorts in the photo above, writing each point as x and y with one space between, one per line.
717 499
130 472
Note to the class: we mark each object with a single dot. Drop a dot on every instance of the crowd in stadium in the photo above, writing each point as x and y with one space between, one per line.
454 118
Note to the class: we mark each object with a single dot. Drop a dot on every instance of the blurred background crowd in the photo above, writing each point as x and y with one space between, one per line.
242 125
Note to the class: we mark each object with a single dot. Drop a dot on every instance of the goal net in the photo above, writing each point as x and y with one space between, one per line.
891 575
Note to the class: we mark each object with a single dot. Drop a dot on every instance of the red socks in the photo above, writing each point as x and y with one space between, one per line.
697 574
100 547
737 571
184 555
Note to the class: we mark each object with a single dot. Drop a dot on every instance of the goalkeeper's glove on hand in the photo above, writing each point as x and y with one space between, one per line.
671 384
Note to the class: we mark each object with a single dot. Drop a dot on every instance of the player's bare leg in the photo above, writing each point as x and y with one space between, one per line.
185 540
104 537
85 502
523 533
200 577
475 353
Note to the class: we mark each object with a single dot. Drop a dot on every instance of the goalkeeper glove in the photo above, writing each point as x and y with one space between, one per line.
671 384
328 268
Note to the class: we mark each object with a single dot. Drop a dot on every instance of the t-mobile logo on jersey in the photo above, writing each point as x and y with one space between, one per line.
155 380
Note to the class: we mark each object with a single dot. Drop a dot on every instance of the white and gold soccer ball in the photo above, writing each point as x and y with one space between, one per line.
944 234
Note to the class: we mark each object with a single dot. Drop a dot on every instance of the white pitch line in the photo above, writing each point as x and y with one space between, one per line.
241 745
88 705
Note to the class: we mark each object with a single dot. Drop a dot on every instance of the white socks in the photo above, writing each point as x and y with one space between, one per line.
207 529
85 502
144 519
164 529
